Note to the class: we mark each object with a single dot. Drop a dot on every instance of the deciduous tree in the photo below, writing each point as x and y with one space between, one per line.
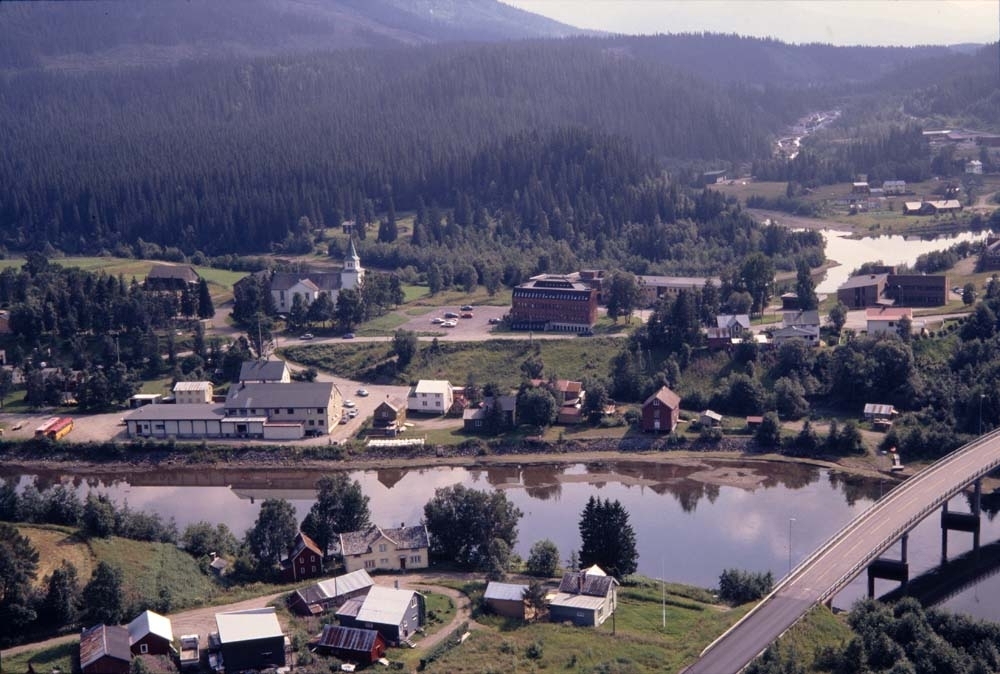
272 533
462 523
340 507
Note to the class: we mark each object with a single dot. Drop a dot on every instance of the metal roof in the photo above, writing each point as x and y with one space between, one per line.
405 538
274 395
577 601
266 370
863 280
433 386
104 640
665 396
349 582
255 623
188 411
385 605
150 623
347 638
505 591
192 386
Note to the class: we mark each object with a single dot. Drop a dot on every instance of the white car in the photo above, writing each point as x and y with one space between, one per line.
363 392
353 412
437 320
349 404
449 324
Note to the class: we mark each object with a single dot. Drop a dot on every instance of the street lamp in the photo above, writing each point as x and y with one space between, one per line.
790 520
900 296
981 396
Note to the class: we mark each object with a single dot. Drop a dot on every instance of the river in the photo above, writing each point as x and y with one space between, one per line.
692 519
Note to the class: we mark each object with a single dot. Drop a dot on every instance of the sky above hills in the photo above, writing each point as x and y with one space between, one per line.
839 22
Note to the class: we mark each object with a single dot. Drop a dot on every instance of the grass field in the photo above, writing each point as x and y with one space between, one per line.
491 361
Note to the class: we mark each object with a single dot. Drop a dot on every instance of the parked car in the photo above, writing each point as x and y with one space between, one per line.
450 314
349 335
466 314
344 419
308 335
363 392
437 320
353 412
449 324
495 321
467 307
349 404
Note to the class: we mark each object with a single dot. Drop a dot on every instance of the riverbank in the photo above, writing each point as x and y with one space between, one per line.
714 463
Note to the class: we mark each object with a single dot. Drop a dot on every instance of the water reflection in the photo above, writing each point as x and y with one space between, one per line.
692 517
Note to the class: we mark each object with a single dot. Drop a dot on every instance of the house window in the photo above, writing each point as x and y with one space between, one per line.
312 422
424 403
381 547
291 411
319 410
312 558
144 648
320 422
384 561
415 559
302 561
314 569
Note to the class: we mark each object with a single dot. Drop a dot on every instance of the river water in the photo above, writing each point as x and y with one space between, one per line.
891 250
691 520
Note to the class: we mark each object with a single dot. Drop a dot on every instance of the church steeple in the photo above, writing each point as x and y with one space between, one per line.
353 274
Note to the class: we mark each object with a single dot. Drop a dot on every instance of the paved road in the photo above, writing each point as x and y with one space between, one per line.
820 576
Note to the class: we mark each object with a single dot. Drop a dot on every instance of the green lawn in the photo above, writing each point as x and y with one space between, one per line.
491 361
61 658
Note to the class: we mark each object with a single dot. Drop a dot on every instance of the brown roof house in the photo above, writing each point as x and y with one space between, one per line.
350 643
389 416
150 633
661 411
386 549
105 650
569 396
330 593
171 277
305 559
585 598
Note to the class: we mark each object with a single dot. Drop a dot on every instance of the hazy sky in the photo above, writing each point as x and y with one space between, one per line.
841 22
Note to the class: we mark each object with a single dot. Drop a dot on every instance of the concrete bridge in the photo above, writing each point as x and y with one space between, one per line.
857 546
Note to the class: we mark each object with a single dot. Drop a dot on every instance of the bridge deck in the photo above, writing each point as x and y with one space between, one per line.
846 554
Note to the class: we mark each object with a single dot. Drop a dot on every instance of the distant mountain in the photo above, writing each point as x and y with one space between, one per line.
109 33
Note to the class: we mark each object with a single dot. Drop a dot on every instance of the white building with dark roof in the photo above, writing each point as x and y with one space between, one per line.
431 396
386 549
265 372
311 284
585 598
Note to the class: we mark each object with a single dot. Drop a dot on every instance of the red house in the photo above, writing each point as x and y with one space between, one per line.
105 650
305 559
151 634
661 411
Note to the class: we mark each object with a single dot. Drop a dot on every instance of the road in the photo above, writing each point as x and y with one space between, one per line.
820 576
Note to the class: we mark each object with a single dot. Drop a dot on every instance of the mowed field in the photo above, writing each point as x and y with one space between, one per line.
220 281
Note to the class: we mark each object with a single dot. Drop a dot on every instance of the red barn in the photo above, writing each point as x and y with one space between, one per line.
105 650
661 411
151 634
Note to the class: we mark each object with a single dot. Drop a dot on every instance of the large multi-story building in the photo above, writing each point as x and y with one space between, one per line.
552 302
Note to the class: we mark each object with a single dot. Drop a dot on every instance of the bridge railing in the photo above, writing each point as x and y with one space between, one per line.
879 507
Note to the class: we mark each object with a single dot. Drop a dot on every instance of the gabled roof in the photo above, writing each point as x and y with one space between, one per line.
274 395
730 320
405 538
303 542
581 582
325 280
384 605
863 280
432 386
888 313
192 386
150 623
395 404
263 370
347 638
182 272
665 396
801 318
507 404
335 587
505 591
104 640
796 331
254 623
879 409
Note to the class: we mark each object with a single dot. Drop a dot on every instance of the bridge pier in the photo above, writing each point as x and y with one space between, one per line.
969 522
890 569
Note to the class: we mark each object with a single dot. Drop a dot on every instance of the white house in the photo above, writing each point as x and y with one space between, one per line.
882 320
193 392
385 549
431 396
974 167
808 333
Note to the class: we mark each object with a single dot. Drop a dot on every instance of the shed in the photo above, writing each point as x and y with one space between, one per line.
879 412
105 649
351 643
330 593
151 633
710 418
506 599
250 639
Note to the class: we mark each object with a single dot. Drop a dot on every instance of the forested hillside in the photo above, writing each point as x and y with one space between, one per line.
227 156
105 34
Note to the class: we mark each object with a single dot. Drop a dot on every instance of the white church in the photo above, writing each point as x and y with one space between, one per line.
310 285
